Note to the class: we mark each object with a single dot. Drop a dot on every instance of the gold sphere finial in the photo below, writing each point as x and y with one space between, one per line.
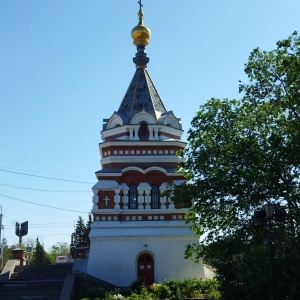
141 14
140 34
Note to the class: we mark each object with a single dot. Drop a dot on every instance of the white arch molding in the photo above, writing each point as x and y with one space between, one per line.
114 121
133 168
172 121
143 116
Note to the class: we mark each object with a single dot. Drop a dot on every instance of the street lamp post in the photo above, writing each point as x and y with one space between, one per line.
269 210
261 216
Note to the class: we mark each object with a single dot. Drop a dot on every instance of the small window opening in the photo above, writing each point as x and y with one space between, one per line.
143 131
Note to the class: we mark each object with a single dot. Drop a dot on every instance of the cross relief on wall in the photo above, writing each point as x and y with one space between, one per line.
106 199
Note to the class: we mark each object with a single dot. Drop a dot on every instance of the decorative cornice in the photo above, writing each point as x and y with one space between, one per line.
141 159
138 143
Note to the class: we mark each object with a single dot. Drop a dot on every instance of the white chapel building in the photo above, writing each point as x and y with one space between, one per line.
137 232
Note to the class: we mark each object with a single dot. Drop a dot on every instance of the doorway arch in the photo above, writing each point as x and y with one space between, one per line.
145 268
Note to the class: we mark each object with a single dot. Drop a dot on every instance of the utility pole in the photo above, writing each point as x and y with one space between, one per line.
1 250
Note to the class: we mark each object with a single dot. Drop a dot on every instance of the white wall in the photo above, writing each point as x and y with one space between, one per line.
115 247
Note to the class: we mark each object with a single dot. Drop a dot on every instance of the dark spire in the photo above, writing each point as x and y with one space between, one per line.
141 95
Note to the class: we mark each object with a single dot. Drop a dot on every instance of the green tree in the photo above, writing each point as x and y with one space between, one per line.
80 237
40 256
241 155
88 229
59 249
6 252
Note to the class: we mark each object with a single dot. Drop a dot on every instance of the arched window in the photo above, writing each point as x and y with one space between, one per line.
132 203
143 131
155 197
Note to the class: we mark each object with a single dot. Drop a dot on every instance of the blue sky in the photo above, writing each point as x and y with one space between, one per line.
66 65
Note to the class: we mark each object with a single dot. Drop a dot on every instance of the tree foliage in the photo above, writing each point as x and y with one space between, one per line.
241 155
6 252
80 237
60 248
40 256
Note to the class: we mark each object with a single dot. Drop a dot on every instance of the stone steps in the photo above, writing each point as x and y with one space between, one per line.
35 282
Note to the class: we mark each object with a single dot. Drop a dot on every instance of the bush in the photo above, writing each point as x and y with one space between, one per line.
169 289
211 289
144 295
113 295
174 287
160 291
137 286
193 288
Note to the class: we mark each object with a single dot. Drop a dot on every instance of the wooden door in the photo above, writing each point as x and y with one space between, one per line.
146 268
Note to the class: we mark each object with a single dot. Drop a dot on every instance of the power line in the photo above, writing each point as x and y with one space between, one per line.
44 177
39 190
44 205
44 226
41 172
33 236
41 224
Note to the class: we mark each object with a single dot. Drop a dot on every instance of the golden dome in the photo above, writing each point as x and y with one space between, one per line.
141 34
